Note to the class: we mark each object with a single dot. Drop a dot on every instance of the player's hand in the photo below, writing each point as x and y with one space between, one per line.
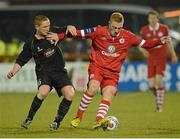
10 74
71 29
146 54
174 59
52 37
165 39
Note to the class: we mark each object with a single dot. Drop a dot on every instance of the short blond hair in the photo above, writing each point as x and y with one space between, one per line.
40 18
117 17
153 12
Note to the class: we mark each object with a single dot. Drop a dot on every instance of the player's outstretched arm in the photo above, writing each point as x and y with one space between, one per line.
141 43
144 52
171 49
70 32
12 72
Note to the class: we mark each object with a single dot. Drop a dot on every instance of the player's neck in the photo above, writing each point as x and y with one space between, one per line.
153 25
39 36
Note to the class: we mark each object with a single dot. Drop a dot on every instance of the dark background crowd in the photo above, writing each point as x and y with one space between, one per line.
17 19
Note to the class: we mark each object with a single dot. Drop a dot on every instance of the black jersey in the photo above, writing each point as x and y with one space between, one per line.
47 56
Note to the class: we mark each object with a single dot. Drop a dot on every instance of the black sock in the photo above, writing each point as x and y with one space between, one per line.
36 103
62 110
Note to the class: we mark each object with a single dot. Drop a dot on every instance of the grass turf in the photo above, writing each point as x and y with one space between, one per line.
135 111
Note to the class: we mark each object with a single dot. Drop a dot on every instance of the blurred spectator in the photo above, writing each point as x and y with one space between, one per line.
75 49
13 49
2 50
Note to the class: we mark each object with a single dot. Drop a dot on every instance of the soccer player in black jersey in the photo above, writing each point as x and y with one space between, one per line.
50 70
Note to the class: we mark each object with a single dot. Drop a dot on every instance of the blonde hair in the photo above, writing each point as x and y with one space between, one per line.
153 12
117 17
39 18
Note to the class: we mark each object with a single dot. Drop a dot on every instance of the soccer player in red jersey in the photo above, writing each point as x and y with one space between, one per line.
110 46
157 57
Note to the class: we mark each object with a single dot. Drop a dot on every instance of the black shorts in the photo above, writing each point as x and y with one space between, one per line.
56 79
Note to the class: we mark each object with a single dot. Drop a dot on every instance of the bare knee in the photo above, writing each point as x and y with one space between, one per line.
43 91
68 92
92 89
159 81
152 83
42 95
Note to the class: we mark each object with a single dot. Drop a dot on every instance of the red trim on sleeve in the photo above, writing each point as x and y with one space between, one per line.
152 43
61 35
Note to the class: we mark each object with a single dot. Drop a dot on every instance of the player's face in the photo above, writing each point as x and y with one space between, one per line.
153 19
114 28
43 28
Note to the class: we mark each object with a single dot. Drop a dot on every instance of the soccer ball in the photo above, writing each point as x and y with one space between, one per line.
113 124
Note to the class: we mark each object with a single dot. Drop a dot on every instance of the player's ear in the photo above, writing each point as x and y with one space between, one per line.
122 24
36 27
109 23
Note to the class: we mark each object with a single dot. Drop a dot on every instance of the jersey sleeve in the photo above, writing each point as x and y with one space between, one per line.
142 33
25 55
60 31
88 33
139 42
61 36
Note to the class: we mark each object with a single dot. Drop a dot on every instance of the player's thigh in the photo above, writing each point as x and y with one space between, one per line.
95 78
93 86
108 92
110 79
44 84
151 70
160 68
68 92
62 82
109 86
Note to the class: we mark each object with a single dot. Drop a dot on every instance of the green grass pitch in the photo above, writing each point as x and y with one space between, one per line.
135 111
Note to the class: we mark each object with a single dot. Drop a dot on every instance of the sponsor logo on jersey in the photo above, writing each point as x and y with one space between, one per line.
49 52
122 41
160 34
110 54
111 49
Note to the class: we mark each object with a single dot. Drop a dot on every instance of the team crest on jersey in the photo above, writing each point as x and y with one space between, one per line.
160 34
121 41
111 49
49 52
